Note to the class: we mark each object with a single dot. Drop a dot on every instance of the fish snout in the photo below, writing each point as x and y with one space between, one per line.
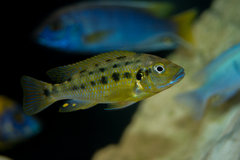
180 74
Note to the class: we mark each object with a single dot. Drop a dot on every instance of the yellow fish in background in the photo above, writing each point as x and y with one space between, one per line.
118 78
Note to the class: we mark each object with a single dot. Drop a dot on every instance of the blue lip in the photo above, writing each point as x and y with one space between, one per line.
179 75
176 78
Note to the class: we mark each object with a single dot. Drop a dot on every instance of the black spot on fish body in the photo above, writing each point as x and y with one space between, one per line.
91 72
115 66
82 71
108 60
127 63
75 88
138 61
104 80
101 69
93 83
121 57
139 74
116 76
82 86
127 75
96 65
46 92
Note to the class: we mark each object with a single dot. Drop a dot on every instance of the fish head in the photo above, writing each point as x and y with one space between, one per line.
59 34
160 74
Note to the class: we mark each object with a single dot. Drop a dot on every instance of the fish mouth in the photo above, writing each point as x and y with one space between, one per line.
179 75
175 79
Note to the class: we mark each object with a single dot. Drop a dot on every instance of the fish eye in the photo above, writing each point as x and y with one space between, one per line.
56 25
159 69
18 117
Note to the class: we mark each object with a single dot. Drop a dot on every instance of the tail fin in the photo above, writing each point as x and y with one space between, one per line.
184 21
195 100
37 95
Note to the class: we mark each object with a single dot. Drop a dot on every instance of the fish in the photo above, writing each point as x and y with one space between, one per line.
106 26
5 158
220 81
117 79
15 126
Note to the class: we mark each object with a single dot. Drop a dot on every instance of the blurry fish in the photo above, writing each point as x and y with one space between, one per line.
118 78
15 126
5 158
221 81
107 26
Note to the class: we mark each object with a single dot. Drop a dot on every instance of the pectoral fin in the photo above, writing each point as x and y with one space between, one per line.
220 98
119 105
73 105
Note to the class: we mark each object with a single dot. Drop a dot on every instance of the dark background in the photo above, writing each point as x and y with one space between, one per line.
75 135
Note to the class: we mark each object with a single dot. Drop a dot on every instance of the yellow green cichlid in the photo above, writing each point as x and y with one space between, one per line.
118 78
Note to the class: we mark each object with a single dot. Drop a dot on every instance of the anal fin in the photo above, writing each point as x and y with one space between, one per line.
74 105
119 105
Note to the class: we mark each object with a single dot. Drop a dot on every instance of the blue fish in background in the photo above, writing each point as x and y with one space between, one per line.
106 26
221 81
15 126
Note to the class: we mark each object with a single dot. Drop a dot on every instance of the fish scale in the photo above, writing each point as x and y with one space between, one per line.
78 79
118 78
97 76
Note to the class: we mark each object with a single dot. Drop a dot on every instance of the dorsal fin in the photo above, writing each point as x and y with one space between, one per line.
63 73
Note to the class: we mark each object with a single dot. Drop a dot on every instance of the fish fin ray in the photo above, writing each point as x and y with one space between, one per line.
63 73
74 105
195 100
34 99
120 105
220 98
